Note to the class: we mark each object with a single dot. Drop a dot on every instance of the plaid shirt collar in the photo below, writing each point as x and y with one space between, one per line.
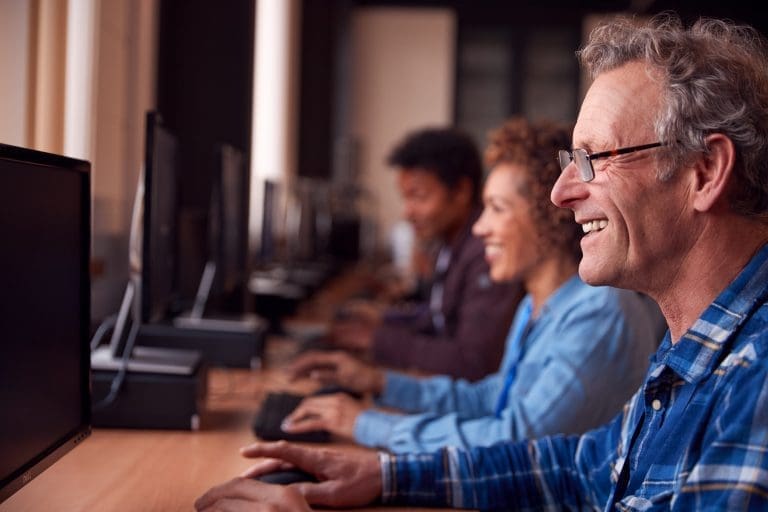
700 350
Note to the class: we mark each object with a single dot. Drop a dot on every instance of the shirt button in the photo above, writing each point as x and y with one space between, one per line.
656 404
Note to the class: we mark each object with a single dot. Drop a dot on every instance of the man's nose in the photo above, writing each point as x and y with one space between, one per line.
568 188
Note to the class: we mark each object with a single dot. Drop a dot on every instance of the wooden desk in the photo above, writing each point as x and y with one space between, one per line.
153 470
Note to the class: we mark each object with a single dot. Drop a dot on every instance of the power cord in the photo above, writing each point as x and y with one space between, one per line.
106 325
119 378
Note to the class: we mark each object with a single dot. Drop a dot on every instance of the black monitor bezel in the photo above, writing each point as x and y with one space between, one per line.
27 472
268 245
232 184
149 310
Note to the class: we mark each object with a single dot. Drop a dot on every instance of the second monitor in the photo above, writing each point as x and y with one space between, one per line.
155 259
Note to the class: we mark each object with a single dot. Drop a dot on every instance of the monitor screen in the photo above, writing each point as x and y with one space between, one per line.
233 228
45 313
158 237
268 249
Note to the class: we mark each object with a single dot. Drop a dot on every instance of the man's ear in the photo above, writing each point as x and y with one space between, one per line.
713 172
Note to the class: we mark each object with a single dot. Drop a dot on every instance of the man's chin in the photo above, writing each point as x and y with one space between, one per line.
426 237
593 273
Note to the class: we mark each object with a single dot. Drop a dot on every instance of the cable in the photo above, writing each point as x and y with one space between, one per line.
117 381
106 325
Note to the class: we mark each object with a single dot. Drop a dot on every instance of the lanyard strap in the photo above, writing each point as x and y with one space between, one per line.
438 285
516 346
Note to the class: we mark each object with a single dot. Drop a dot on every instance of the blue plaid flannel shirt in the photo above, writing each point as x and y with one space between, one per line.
694 437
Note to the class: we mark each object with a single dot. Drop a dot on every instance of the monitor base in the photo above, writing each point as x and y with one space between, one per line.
230 348
151 400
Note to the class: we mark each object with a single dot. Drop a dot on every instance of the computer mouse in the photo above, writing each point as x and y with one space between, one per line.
331 389
286 476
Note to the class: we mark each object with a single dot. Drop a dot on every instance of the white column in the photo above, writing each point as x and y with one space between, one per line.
273 143
79 89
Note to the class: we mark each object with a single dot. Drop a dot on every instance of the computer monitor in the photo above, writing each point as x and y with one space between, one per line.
158 226
268 247
45 313
233 242
228 227
222 284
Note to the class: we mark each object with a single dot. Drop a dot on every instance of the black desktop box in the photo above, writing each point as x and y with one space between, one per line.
151 400
218 348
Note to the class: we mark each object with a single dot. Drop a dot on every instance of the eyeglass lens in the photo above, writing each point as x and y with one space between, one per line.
581 159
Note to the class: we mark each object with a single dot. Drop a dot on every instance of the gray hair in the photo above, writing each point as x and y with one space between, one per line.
714 78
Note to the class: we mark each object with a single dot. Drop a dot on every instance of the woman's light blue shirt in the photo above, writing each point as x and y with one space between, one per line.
584 356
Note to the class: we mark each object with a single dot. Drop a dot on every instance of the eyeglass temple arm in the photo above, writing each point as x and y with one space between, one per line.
623 151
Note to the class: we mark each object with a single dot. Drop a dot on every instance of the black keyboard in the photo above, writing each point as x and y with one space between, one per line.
276 406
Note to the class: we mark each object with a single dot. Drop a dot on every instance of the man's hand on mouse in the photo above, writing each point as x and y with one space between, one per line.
346 478
243 494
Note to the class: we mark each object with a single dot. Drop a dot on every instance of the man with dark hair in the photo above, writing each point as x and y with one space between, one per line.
448 153
459 329
667 177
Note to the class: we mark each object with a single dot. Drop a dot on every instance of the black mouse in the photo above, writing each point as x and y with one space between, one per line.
286 476
335 388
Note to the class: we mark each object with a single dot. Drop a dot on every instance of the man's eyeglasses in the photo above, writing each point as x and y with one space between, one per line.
583 160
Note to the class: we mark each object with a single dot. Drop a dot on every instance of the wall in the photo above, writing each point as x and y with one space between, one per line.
14 81
402 79
107 63
124 77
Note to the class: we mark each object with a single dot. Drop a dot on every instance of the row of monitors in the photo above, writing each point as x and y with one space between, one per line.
44 275
155 228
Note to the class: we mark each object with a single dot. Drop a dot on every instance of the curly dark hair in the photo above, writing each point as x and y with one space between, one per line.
533 145
447 152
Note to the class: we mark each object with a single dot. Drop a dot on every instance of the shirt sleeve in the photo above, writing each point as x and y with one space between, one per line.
440 394
559 472
471 346
584 367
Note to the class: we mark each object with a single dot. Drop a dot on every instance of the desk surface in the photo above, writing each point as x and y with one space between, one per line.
163 470
153 470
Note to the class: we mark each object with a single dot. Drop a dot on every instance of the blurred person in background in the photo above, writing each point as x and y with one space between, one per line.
458 328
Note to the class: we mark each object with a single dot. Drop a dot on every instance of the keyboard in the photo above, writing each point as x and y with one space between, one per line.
276 406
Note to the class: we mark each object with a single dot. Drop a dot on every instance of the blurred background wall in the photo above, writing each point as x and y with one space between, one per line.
313 92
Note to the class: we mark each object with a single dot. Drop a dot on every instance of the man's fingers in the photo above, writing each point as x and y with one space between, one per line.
322 493
246 495
323 374
230 505
308 416
233 489
300 456
300 426
305 363
265 466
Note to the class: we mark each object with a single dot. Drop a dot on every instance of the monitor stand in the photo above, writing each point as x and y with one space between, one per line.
274 299
195 319
170 361
122 355
232 342
145 387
